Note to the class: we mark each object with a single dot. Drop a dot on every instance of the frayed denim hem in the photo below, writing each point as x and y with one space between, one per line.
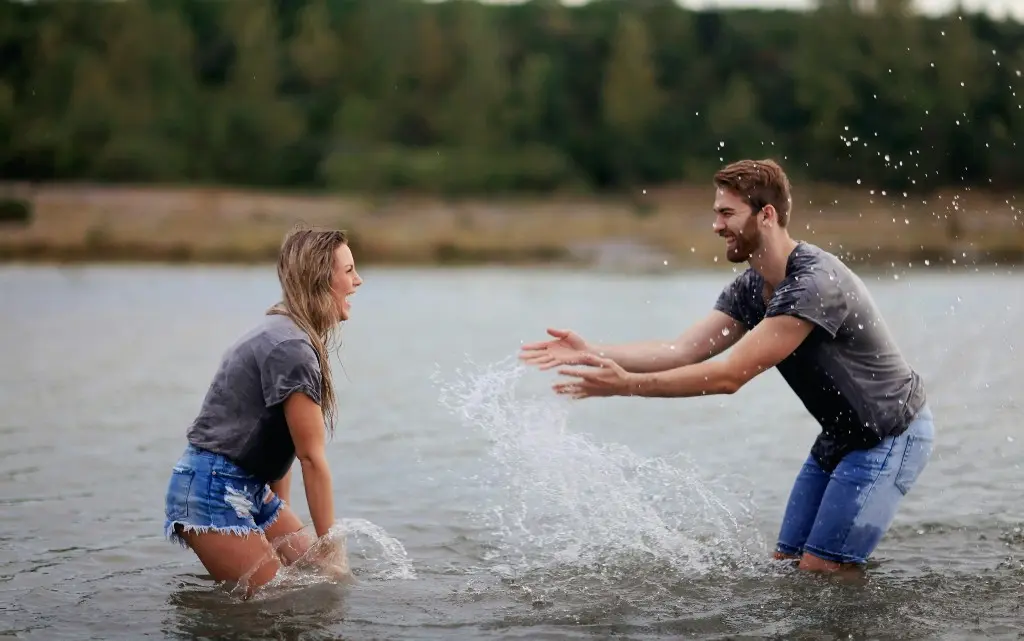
273 519
171 532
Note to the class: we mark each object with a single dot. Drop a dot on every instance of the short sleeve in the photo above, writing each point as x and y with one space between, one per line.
815 295
291 366
735 300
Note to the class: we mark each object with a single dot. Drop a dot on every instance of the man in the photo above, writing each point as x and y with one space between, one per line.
799 309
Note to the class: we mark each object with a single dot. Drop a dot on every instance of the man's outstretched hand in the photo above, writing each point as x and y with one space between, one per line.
567 347
602 377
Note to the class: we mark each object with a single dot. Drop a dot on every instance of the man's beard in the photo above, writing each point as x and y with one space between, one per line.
747 242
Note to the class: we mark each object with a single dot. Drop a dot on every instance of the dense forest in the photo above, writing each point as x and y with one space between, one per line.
459 96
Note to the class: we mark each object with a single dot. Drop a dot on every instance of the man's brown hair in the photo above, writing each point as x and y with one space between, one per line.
759 183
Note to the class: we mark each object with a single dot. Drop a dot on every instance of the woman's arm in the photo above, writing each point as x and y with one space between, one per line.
306 424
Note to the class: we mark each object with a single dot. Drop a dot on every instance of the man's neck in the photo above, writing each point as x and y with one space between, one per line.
772 259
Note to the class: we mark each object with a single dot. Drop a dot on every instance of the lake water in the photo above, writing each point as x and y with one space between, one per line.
477 505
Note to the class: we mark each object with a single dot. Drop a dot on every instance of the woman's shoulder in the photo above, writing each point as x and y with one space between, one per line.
280 332
275 336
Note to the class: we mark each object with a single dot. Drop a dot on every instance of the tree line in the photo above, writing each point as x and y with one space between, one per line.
459 96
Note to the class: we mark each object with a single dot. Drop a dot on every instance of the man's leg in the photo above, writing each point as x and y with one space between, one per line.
801 510
862 497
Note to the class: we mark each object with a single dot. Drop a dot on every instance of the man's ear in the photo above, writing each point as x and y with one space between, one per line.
770 215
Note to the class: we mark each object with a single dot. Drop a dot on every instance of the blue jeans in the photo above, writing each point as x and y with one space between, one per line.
207 492
842 516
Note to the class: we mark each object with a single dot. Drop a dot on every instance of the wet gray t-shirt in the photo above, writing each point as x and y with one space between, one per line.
848 373
242 416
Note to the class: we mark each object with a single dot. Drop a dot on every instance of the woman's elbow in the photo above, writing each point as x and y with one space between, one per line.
312 462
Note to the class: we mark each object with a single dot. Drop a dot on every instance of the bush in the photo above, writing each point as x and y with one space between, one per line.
15 211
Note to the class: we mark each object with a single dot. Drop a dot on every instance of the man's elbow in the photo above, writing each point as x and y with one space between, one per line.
729 386
731 381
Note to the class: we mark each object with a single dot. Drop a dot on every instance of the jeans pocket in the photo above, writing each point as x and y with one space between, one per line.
915 458
179 490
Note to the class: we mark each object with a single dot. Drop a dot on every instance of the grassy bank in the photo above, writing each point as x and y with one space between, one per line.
673 225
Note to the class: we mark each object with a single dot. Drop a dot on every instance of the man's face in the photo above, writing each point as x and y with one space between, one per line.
737 224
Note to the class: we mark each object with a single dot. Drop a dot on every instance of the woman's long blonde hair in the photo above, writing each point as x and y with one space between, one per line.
305 265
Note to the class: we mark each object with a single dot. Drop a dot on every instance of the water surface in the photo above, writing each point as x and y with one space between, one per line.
477 505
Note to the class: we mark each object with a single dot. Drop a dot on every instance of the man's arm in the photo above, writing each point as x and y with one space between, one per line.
705 339
764 347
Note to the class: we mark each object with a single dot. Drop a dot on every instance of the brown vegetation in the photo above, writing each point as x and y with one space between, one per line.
107 223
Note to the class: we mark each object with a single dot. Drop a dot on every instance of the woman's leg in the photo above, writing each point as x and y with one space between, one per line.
210 507
284 530
247 558
295 543
801 510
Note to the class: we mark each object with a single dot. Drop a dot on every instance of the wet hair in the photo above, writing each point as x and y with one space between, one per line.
305 266
759 183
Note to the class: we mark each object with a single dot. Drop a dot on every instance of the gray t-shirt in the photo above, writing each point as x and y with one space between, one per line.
848 373
242 416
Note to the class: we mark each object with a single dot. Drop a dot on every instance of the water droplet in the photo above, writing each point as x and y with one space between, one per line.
725 331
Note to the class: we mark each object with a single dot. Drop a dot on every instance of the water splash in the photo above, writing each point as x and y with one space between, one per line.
382 557
559 499
379 556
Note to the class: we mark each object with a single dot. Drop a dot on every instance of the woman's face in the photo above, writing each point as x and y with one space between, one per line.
344 281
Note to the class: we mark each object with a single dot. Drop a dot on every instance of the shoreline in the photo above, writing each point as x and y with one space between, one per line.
665 229
929 259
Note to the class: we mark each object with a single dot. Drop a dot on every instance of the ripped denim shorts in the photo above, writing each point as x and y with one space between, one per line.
209 493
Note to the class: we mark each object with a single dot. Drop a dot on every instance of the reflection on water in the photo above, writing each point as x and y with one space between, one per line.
473 503
196 612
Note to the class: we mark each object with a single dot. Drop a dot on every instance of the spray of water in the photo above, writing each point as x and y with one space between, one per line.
313 561
560 500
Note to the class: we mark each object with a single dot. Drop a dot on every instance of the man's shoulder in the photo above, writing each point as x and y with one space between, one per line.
741 297
808 256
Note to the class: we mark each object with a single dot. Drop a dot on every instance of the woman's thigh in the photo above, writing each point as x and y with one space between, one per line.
288 537
245 559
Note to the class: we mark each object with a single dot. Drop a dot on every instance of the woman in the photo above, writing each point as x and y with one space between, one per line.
270 402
